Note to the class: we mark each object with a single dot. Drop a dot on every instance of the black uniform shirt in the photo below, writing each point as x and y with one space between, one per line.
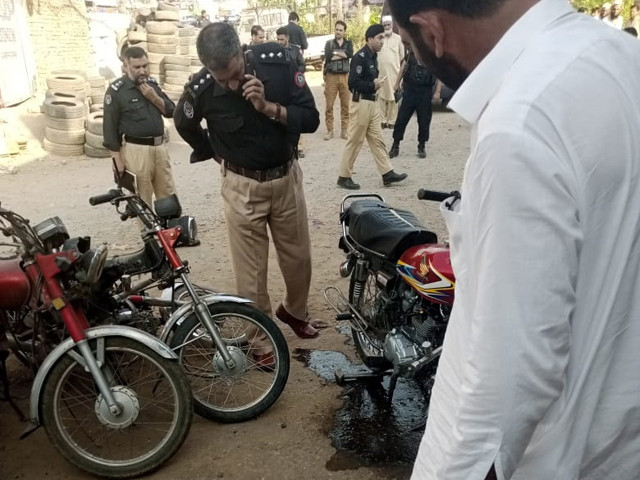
296 53
237 132
417 75
297 35
364 69
128 112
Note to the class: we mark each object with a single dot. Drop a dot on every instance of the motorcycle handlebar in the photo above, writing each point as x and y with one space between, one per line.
105 197
433 195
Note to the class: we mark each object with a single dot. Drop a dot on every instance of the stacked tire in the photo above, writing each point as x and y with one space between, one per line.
175 71
94 140
65 108
98 88
196 65
161 40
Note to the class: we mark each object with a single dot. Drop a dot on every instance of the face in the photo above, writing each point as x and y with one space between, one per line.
375 43
446 68
232 77
258 38
615 10
137 69
388 28
283 40
339 32
634 11
604 11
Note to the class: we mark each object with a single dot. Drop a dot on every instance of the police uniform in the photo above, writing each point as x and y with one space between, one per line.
418 91
261 180
364 115
133 126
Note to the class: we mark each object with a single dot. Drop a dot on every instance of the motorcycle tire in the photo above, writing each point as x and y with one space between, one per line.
377 363
249 389
153 393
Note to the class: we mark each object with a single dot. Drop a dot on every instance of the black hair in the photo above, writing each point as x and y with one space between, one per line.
134 52
631 30
282 31
340 22
294 16
401 10
255 29
217 45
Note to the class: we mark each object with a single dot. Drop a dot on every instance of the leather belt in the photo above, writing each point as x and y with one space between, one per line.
260 175
366 96
153 141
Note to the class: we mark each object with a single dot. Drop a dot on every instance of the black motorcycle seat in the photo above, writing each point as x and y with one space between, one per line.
387 231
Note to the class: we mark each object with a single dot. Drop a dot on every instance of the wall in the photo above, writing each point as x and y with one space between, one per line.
59 35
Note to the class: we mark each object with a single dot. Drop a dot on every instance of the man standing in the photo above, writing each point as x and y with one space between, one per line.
417 84
614 19
337 53
364 114
634 17
539 376
296 33
257 35
389 60
253 129
133 129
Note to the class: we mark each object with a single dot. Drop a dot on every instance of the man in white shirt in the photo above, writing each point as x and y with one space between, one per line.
614 19
540 372
389 60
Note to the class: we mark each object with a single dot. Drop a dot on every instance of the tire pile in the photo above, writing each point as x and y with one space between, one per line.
93 146
65 108
98 88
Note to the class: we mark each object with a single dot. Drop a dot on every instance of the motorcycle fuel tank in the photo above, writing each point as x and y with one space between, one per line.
427 268
15 287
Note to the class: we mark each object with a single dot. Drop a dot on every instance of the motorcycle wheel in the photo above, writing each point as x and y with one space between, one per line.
247 390
157 410
181 294
365 303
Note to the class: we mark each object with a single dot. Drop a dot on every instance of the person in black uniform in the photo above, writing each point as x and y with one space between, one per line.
296 33
133 128
417 83
256 106
364 114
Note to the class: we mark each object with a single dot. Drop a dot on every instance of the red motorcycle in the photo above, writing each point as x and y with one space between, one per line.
401 289
113 399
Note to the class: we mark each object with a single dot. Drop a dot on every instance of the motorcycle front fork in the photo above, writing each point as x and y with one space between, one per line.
203 314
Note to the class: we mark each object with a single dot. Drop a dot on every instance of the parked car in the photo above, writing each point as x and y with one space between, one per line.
314 55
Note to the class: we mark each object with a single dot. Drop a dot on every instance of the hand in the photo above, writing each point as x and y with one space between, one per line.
253 90
377 83
436 100
118 167
148 92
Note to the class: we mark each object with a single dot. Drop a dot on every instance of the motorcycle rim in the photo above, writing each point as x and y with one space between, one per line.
244 392
157 411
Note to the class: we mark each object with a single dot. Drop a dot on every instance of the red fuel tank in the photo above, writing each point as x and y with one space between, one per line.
427 268
15 287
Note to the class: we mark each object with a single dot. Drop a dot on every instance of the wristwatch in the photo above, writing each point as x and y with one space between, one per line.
276 117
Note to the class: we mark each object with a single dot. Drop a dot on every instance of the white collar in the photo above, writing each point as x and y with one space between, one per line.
479 88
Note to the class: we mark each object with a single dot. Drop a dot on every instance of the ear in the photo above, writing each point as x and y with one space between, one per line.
431 29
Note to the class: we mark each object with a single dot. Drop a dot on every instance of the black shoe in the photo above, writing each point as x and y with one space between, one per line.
346 182
395 150
392 177
421 151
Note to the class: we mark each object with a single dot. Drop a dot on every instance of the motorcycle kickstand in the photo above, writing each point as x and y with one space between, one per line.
344 378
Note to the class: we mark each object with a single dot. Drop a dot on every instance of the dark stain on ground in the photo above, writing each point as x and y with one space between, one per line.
367 430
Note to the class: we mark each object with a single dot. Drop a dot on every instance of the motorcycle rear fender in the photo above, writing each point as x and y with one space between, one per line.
187 309
67 345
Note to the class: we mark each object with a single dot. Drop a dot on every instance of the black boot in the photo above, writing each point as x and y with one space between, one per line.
395 149
421 151
392 177
348 183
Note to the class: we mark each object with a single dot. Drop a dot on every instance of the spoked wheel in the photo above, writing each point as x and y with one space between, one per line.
255 381
156 410
364 297
181 294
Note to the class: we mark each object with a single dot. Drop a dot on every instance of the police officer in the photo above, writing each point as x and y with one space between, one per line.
133 129
255 107
417 96
364 114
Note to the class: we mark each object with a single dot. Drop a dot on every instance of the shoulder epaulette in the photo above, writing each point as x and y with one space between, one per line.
271 52
199 82
362 54
117 84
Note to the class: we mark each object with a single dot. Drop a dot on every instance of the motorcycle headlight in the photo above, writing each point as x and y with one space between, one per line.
189 233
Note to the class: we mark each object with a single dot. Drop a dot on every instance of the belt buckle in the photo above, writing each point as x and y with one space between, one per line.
157 141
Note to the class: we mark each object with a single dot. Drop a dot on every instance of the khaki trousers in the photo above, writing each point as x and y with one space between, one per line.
337 84
388 110
152 168
364 122
251 206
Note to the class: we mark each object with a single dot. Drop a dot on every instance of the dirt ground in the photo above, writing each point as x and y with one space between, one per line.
290 441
